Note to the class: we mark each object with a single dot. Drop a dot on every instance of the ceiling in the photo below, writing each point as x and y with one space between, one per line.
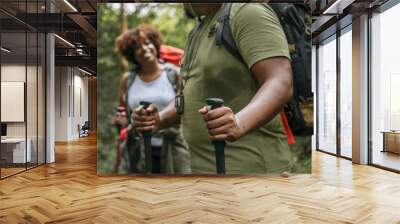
332 15
74 22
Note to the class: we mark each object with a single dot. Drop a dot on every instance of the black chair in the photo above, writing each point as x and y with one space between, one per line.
84 130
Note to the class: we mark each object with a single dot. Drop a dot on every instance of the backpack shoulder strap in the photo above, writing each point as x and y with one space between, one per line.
292 21
173 77
224 35
131 78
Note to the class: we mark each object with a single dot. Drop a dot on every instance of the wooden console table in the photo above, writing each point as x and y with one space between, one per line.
391 141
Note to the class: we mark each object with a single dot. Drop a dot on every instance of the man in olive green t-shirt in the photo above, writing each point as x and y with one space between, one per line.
254 92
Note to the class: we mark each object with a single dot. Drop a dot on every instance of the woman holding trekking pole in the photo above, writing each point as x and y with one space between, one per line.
154 81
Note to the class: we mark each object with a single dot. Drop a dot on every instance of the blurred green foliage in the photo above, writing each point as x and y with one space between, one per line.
167 18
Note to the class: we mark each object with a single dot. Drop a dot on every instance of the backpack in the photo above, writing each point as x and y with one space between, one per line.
298 112
172 75
171 54
128 146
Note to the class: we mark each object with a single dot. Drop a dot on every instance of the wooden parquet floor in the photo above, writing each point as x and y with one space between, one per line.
70 191
10 171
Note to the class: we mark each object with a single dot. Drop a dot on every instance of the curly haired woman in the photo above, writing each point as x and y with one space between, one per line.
157 82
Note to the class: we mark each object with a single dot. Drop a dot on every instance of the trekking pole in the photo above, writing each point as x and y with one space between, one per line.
147 142
219 146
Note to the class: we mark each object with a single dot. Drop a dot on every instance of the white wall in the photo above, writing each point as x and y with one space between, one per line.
80 110
10 73
61 103
16 73
71 94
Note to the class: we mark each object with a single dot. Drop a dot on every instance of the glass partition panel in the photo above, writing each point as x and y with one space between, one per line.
41 99
14 150
33 8
22 77
346 93
327 96
31 98
385 84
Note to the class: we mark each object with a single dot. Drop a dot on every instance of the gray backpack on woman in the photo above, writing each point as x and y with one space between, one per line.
175 157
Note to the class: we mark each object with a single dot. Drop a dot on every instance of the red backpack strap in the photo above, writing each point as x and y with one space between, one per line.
286 126
123 133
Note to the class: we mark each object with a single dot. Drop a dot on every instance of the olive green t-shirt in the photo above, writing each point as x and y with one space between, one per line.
209 70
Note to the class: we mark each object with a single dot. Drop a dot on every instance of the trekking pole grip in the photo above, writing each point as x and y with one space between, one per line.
219 146
147 142
145 105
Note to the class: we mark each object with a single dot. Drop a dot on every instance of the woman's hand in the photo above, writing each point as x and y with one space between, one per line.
146 119
222 124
